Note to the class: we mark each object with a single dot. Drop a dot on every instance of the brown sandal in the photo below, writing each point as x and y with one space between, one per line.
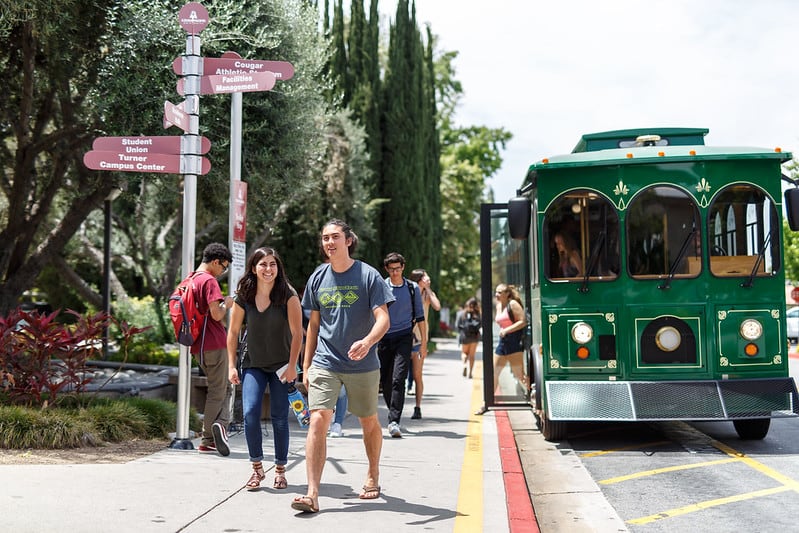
257 476
280 477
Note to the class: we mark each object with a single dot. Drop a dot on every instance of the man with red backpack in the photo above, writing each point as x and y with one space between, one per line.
210 349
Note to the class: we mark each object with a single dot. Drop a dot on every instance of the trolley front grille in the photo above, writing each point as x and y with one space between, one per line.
672 400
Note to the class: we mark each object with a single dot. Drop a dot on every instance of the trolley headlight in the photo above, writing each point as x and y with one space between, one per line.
582 333
751 329
668 338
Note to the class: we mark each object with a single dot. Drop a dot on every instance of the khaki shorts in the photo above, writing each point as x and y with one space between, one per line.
362 390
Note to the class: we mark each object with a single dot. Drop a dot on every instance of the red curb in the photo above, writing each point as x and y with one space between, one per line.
521 515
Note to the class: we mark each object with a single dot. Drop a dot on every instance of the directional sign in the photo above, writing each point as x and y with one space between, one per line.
163 163
283 70
175 115
193 17
237 83
162 144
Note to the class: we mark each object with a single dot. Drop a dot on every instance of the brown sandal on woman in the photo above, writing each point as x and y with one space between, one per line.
280 477
257 476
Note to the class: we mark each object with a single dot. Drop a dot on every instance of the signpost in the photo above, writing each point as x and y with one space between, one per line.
283 70
162 144
237 83
175 115
160 163
183 155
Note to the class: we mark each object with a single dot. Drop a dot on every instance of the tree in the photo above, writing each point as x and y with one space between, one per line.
118 76
403 180
469 156
46 122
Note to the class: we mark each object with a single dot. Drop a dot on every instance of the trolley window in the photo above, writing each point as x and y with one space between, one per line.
664 234
743 224
581 232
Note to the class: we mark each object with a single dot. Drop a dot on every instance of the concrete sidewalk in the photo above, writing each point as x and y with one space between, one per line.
445 474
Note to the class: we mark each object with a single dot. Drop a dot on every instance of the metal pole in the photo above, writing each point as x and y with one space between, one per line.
106 270
237 268
192 89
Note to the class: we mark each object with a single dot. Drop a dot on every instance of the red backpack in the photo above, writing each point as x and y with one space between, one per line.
187 319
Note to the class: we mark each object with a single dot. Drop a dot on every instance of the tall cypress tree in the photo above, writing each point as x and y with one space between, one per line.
338 62
432 147
402 177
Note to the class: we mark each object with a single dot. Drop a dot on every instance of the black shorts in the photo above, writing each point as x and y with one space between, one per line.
510 343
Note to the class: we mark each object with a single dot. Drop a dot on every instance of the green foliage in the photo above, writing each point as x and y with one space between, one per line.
116 421
141 313
88 421
790 253
22 427
469 156
159 416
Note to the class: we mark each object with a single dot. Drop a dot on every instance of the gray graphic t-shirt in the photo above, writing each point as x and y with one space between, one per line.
345 301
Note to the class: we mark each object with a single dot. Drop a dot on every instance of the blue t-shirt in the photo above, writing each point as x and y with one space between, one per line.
402 310
345 301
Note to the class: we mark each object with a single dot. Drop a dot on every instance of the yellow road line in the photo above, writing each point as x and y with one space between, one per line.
671 513
760 467
469 510
664 470
787 484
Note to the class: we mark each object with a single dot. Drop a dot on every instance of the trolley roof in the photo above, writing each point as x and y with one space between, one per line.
648 145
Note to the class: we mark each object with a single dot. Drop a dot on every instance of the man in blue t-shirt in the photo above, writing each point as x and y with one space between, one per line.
349 314
395 347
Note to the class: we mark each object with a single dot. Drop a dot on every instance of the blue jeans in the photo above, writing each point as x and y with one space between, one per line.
253 386
341 407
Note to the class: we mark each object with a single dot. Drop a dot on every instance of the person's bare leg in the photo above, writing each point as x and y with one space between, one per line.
418 365
517 367
499 364
470 353
373 442
316 451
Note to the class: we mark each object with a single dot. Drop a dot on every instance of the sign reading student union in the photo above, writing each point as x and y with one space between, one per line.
140 144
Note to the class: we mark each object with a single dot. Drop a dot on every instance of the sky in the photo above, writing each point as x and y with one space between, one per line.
549 71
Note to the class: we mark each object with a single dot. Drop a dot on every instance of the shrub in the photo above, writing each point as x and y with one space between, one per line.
116 421
40 357
22 427
89 421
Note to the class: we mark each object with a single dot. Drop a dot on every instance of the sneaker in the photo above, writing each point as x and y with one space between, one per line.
220 439
394 430
207 448
335 430
417 413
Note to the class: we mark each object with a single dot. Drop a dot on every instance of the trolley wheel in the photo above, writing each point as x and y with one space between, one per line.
550 429
538 380
752 428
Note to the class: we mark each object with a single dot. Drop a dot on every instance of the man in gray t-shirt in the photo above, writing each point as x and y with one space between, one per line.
348 301
345 301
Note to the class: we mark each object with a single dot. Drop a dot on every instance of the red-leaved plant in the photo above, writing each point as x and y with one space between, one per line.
41 358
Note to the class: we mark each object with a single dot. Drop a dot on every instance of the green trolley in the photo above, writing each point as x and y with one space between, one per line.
656 286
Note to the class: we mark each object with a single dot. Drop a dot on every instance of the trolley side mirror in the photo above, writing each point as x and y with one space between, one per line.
792 208
519 217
